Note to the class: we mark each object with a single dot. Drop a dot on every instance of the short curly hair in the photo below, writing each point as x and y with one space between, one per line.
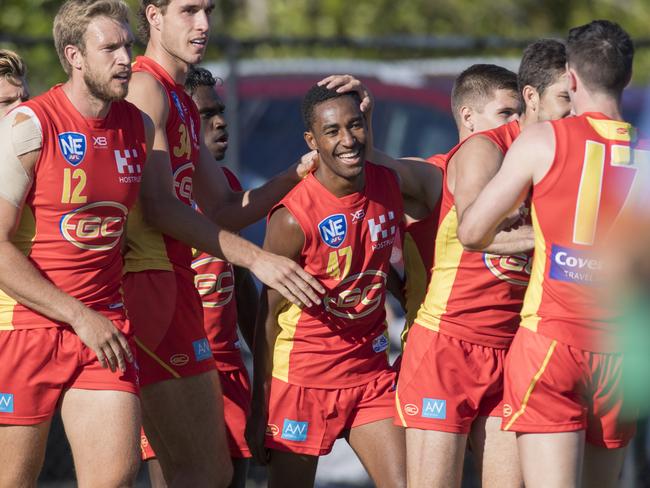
197 76
317 95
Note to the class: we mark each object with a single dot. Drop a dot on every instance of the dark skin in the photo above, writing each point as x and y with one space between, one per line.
339 135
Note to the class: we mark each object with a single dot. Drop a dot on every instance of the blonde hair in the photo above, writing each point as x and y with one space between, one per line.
72 19
12 67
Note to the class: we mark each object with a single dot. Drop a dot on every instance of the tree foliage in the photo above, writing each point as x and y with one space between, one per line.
517 19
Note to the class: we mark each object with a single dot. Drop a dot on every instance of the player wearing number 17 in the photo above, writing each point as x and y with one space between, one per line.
563 372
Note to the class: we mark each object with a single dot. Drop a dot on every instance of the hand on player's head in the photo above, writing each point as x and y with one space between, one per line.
347 83
307 164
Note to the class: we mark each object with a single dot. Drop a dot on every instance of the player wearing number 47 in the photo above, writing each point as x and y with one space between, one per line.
324 369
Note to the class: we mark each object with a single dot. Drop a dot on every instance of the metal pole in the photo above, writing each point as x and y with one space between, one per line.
232 105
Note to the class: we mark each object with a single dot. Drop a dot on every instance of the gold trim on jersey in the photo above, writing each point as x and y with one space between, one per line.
23 239
449 252
415 283
612 130
533 298
532 385
399 407
145 246
153 356
288 321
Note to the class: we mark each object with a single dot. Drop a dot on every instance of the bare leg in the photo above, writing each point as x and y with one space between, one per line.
188 433
381 447
103 428
602 466
552 460
289 470
22 451
496 454
443 469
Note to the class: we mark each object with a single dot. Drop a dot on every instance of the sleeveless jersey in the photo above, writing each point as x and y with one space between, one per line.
348 242
147 248
474 296
418 251
574 208
215 282
86 179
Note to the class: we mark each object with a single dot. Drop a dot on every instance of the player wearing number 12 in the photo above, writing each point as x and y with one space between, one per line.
563 372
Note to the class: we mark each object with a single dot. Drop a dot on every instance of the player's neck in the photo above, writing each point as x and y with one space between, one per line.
174 66
605 104
337 185
86 104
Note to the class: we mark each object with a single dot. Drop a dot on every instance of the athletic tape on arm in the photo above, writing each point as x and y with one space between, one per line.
18 138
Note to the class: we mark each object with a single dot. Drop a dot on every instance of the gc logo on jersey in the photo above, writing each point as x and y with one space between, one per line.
183 182
333 230
514 269
360 300
215 290
95 227
73 147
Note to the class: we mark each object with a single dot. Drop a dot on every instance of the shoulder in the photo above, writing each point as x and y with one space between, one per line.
284 234
149 95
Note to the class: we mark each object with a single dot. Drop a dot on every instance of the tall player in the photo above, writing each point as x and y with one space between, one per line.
64 338
228 294
322 372
451 381
563 383
13 86
181 393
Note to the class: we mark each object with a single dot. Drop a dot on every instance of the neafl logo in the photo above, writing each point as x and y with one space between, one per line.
95 227
183 182
410 409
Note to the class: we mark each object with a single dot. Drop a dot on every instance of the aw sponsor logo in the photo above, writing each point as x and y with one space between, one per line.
216 290
514 269
333 230
292 430
202 349
183 182
382 230
73 147
128 166
95 227
361 295
575 266
6 402
380 343
433 408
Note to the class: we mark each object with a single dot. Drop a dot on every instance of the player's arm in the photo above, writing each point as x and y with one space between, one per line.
247 300
20 149
526 162
477 161
395 285
284 237
169 215
235 210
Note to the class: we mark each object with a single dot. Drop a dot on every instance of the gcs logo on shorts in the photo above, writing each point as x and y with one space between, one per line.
95 227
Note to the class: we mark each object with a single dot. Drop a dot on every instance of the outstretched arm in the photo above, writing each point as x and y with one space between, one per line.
526 162
283 236
169 215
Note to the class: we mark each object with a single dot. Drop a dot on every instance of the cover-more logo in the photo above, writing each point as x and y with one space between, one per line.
293 430
575 266
433 408
95 227
73 147
333 230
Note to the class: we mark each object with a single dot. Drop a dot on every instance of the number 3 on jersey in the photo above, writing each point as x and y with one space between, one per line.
74 183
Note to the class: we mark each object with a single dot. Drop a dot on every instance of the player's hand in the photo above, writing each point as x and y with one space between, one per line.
99 334
347 83
288 278
516 219
255 433
308 163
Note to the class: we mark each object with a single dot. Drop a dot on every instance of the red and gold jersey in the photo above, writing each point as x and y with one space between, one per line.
215 282
348 243
474 296
418 251
86 179
574 208
146 247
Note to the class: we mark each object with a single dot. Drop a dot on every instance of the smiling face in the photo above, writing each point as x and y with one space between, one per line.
105 61
338 133
211 108
185 27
